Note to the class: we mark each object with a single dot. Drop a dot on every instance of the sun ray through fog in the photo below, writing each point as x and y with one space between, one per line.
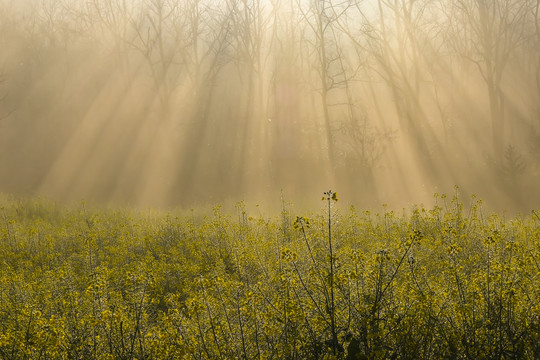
172 103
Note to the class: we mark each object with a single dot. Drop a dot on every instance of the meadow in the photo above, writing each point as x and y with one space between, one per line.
449 282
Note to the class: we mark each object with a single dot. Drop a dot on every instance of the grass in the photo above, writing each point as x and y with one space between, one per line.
443 283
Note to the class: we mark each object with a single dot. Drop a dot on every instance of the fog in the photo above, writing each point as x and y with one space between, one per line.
171 103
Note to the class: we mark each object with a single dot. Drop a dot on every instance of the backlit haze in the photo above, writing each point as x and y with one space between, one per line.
185 102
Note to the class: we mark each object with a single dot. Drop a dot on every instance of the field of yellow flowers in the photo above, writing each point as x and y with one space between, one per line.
451 282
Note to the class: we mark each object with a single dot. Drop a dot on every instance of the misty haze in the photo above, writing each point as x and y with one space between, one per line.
170 171
176 103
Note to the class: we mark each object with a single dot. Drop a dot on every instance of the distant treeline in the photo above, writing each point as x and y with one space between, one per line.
171 102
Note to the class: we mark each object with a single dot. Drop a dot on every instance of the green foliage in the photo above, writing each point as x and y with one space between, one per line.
443 283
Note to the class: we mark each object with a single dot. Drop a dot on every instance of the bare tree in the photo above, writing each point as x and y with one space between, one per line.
399 44
249 21
536 49
109 22
323 18
487 33
209 55
157 41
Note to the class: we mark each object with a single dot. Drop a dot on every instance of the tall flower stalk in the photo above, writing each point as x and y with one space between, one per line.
330 197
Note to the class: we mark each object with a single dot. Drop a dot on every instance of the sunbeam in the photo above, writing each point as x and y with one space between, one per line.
169 103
